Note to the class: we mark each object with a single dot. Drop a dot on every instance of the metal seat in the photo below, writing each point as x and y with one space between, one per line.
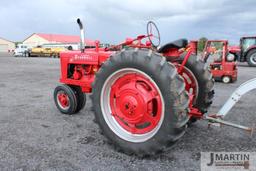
181 43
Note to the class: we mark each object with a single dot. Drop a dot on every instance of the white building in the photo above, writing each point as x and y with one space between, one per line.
6 45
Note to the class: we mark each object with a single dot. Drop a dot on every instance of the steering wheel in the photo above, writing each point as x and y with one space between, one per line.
153 34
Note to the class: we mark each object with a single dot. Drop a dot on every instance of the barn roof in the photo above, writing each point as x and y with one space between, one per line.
6 40
60 38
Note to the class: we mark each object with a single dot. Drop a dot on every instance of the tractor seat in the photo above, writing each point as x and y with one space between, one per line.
181 43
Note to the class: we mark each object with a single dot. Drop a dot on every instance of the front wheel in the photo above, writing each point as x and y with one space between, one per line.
65 99
80 96
226 79
140 102
26 54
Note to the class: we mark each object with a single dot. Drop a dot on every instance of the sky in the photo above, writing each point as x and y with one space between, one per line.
111 21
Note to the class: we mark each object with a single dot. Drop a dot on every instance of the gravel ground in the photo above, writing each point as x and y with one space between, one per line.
35 136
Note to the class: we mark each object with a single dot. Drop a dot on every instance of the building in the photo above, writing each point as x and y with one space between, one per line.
6 45
39 39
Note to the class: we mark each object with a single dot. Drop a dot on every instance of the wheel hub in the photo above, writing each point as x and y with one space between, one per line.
135 103
63 100
128 104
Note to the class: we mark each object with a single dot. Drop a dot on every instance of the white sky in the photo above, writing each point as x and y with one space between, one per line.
114 20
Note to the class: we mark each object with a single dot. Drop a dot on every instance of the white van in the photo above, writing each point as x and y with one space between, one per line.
21 50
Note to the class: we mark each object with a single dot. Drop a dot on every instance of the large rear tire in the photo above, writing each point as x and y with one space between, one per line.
140 102
251 58
205 83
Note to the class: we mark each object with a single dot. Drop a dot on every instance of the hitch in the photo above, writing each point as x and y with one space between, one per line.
217 119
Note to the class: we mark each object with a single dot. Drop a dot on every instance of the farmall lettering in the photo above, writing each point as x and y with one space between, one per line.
84 57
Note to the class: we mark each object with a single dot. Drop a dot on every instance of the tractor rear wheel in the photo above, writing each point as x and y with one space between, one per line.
205 83
140 102
199 81
251 58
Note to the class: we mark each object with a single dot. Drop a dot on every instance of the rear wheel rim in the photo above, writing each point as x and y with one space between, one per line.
191 83
132 105
63 100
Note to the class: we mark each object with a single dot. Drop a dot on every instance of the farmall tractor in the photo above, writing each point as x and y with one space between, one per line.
143 96
222 63
246 51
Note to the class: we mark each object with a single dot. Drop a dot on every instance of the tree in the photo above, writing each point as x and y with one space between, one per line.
201 43
16 43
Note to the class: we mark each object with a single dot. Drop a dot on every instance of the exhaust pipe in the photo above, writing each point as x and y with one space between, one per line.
82 43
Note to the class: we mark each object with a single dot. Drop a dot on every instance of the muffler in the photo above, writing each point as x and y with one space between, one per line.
82 43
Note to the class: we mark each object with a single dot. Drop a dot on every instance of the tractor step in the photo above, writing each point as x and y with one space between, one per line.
213 121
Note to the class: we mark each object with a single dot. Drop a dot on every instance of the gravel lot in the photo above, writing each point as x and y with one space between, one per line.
35 136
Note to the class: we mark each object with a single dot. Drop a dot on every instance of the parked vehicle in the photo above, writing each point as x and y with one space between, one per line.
222 63
21 50
40 51
246 51
143 96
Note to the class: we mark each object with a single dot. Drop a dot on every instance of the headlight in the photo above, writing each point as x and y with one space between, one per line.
230 57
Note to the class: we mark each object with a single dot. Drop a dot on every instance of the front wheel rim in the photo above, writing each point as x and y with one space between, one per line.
63 100
132 105
226 79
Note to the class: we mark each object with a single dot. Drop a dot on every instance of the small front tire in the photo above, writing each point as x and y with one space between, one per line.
226 79
65 99
80 96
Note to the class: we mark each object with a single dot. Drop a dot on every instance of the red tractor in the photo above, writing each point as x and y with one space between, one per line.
143 96
222 63
246 51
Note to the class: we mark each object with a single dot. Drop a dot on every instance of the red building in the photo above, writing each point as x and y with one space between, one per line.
38 39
